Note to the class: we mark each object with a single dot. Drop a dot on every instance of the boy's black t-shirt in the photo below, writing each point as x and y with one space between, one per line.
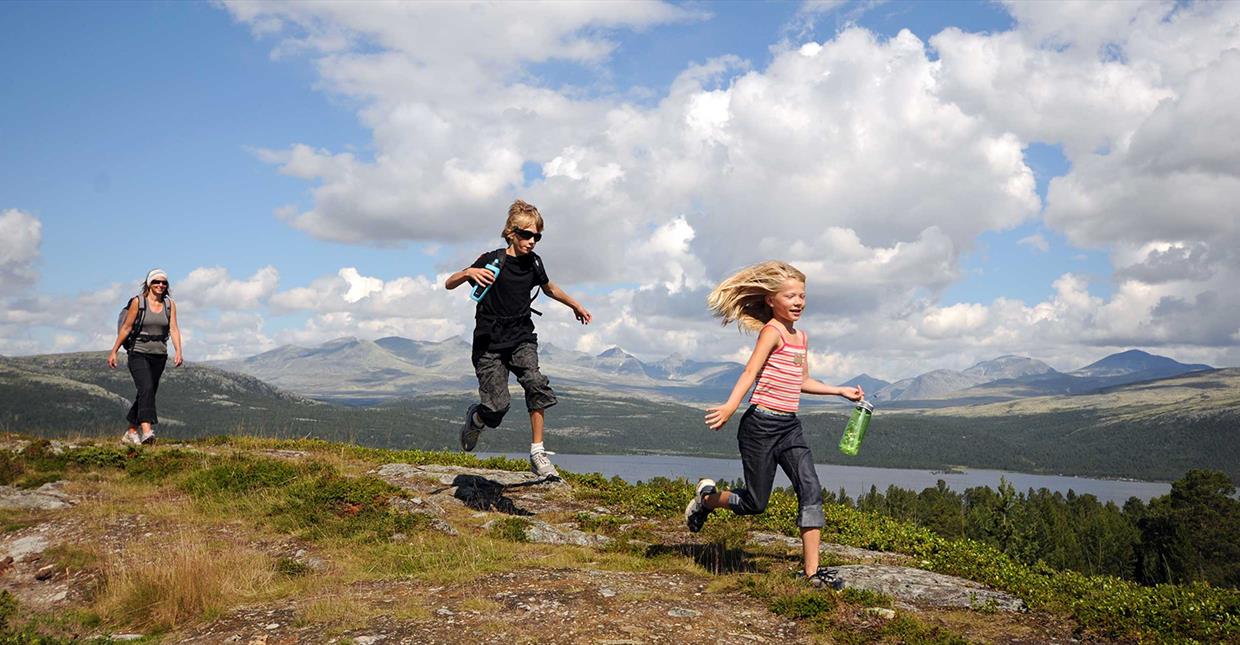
502 319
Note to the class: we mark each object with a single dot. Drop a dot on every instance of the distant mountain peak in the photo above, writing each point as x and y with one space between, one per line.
614 352
1008 366
1135 361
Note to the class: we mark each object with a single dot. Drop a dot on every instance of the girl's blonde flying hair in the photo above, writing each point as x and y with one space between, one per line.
741 298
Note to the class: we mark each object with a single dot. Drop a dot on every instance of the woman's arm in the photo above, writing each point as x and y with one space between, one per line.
554 292
124 330
768 340
174 331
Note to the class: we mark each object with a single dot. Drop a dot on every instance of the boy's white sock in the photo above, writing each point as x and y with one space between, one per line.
536 448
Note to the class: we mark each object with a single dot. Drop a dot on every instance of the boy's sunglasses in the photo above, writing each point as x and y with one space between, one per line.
155 282
527 234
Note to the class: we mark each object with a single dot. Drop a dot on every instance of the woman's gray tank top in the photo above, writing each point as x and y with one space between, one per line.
154 324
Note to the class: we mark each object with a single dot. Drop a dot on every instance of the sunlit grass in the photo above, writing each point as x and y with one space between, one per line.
163 585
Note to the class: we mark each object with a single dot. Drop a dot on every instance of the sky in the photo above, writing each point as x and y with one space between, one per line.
959 181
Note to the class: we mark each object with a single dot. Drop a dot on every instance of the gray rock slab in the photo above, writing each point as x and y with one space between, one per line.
451 475
24 547
546 533
850 553
926 588
46 497
481 489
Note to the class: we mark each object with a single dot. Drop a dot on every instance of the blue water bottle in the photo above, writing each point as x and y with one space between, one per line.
479 290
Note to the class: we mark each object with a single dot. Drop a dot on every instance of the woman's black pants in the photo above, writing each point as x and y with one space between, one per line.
146 370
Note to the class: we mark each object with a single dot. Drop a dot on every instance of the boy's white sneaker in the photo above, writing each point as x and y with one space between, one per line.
131 437
696 511
540 464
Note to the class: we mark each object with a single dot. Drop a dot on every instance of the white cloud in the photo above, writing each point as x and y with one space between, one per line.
214 287
849 134
20 236
871 163
1036 241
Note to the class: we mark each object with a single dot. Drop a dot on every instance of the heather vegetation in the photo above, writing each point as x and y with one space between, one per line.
331 500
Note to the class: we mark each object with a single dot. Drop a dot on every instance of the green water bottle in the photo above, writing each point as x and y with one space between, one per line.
854 432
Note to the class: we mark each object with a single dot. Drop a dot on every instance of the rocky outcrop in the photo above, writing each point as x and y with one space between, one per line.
846 553
46 497
883 571
481 489
545 533
927 589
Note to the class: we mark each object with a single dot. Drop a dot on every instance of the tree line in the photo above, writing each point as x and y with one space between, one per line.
1188 535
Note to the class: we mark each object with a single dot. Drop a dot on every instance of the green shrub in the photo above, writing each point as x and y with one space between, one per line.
330 505
806 604
906 629
598 523
158 466
291 568
864 597
510 528
11 467
238 475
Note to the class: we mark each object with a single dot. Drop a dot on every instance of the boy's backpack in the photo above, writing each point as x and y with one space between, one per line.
135 334
503 254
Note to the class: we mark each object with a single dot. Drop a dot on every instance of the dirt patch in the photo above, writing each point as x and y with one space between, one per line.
536 605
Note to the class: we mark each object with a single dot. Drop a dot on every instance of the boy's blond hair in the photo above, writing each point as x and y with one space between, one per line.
741 298
521 215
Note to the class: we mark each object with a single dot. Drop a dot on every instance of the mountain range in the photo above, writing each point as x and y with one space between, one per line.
1155 429
1014 377
356 371
363 372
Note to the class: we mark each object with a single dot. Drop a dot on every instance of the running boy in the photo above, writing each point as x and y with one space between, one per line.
504 338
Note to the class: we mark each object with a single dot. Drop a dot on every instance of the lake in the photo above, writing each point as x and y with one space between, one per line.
854 479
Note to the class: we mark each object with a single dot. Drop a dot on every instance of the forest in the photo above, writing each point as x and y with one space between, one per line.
1191 534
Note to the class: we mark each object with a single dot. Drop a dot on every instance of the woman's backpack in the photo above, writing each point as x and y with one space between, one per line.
135 334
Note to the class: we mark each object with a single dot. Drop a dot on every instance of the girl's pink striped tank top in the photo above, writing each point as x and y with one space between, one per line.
779 382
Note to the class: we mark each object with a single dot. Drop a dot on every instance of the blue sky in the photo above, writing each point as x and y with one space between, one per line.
132 134
139 121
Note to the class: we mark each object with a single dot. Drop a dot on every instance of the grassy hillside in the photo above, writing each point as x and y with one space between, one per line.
303 541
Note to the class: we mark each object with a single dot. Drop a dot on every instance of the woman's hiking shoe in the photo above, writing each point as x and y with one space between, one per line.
823 578
148 438
131 436
469 431
540 464
696 511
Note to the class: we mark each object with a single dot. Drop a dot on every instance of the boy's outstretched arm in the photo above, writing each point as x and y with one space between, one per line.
554 292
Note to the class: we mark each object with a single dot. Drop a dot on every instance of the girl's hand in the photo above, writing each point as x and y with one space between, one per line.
112 360
178 361
582 315
719 415
852 393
